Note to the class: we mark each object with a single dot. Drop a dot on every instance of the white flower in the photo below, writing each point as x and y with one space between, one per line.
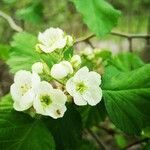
61 70
22 89
38 67
84 87
76 61
49 101
52 39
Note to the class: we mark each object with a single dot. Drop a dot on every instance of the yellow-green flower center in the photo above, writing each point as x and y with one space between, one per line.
81 87
46 100
24 88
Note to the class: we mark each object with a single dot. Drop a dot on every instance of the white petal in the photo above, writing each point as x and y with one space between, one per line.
93 78
58 97
93 96
38 106
56 111
70 86
15 92
27 100
67 66
81 74
16 106
79 100
61 43
22 76
35 79
43 87
45 48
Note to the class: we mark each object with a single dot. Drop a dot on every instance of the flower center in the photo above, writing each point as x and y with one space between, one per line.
81 87
45 100
24 88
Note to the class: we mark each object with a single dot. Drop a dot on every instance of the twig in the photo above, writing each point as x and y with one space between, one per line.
90 43
95 137
86 38
109 131
11 22
145 36
136 143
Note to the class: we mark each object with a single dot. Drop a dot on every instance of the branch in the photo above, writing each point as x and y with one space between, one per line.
129 36
95 137
11 22
86 38
136 143
109 131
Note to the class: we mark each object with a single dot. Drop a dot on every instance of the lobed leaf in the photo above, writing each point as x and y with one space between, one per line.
99 15
127 98
20 132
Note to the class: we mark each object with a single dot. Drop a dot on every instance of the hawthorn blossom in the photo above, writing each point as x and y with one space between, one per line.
22 89
84 87
52 39
49 101
61 70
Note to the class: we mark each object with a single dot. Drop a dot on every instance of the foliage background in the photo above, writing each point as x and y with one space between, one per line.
34 16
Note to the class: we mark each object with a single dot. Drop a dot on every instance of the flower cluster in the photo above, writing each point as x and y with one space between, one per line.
68 79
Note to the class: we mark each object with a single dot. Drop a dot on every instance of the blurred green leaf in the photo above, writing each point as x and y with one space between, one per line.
104 54
127 98
67 130
6 103
146 132
9 1
20 131
87 145
4 52
127 61
99 15
121 141
32 13
92 115
23 54
68 53
147 146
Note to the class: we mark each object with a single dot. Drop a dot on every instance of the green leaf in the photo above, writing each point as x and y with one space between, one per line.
32 13
67 130
121 141
92 115
146 132
127 98
127 62
21 132
104 54
6 103
99 15
87 145
4 52
23 54
68 53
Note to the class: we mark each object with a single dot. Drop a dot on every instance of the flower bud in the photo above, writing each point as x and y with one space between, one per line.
38 67
61 70
76 61
69 40
88 52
